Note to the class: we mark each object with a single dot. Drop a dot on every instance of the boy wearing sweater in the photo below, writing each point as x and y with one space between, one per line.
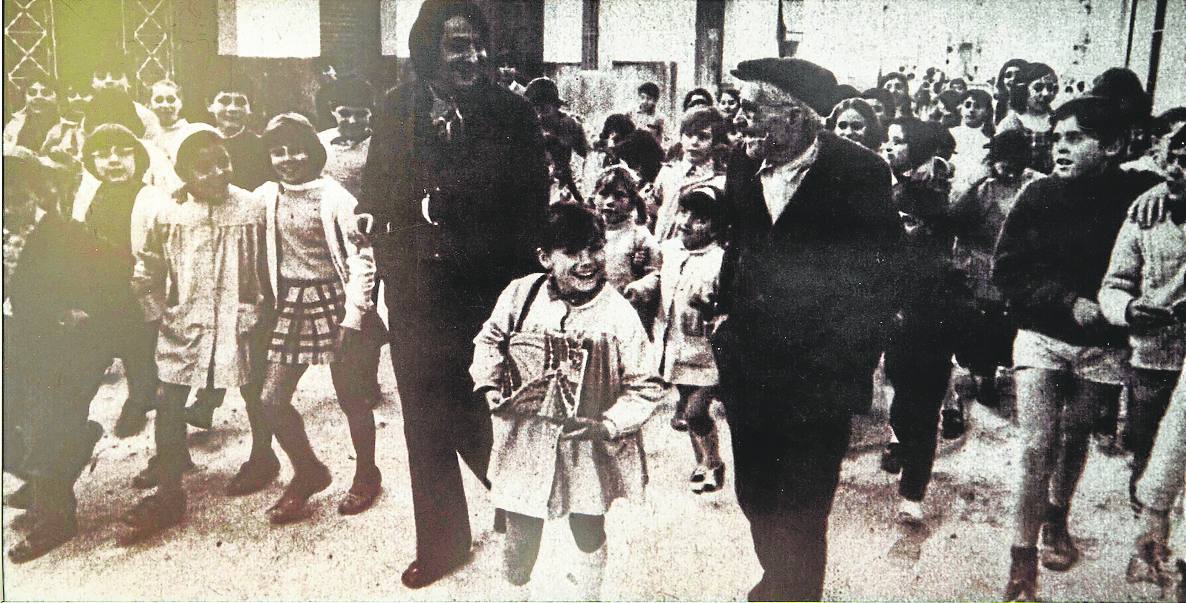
1146 279
1050 261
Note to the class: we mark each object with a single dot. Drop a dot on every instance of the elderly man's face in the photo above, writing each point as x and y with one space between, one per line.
462 54
770 122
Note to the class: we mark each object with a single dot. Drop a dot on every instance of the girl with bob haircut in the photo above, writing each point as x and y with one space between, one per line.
322 269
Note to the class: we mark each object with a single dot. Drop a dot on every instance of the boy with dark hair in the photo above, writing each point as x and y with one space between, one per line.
351 102
111 72
230 108
1049 264
646 116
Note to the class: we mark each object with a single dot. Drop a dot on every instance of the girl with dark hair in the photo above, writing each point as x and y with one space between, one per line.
882 103
899 87
323 272
855 120
1006 87
30 125
1030 110
972 136
202 280
686 291
918 352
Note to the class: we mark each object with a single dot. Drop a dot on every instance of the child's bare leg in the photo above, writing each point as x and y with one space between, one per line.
589 533
356 403
522 547
353 399
280 383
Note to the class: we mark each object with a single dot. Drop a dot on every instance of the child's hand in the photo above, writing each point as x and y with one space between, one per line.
494 400
581 428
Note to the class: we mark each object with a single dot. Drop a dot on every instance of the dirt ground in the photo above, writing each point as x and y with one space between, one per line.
674 545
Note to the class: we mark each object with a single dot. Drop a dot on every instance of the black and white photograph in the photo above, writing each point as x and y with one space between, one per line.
594 300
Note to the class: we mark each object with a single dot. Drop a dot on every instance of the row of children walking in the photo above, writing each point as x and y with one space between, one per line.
209 288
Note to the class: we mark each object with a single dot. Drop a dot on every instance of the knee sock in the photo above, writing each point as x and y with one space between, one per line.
290 432
362 434
521 547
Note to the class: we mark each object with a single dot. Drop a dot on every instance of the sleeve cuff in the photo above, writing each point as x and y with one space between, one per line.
611 428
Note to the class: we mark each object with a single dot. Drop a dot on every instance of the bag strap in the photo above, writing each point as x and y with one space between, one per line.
531 295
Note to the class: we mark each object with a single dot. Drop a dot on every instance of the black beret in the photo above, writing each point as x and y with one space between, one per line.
806 81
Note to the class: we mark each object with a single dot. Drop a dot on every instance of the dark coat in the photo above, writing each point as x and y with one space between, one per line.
809 296
488 191
1055 247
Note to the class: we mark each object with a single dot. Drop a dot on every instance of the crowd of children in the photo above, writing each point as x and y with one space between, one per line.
1043 246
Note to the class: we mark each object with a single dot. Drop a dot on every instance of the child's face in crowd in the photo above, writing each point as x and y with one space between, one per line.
694 231
115 165
851 124
293 164
614 204
1076 153
77 100
974 113
933 80
354 122
165 102
210 177
103 80
646 103
698 145
878 109
1175 171
1042 93
576 273
948 118
896 87
728 105
462 54
40 98
895 150
958 85
230 109
1009 78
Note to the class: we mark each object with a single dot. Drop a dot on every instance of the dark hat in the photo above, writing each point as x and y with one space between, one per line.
543 90
1124 88
806 81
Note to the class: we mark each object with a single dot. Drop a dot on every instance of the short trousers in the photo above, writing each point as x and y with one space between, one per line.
307 322
1098 364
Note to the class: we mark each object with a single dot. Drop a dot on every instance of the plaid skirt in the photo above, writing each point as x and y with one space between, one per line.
308 314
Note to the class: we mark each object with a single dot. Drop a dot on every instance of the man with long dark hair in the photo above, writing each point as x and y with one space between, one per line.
457 184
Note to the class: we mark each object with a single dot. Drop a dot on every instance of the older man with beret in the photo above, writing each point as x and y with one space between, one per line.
809 285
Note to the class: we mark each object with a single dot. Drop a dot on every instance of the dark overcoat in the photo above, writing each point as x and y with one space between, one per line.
809 296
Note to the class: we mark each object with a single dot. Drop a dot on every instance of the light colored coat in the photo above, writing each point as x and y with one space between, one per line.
533 472
681 353
673 181
1149 265
354 265
202 274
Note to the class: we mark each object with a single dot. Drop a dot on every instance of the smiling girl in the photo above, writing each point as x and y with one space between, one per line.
323 273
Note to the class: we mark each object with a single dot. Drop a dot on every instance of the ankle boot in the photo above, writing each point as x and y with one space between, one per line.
1023 574
1058 548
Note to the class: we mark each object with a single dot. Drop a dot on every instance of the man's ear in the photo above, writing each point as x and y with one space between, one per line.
545 258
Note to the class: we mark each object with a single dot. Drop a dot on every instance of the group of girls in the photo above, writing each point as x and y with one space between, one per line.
225 287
